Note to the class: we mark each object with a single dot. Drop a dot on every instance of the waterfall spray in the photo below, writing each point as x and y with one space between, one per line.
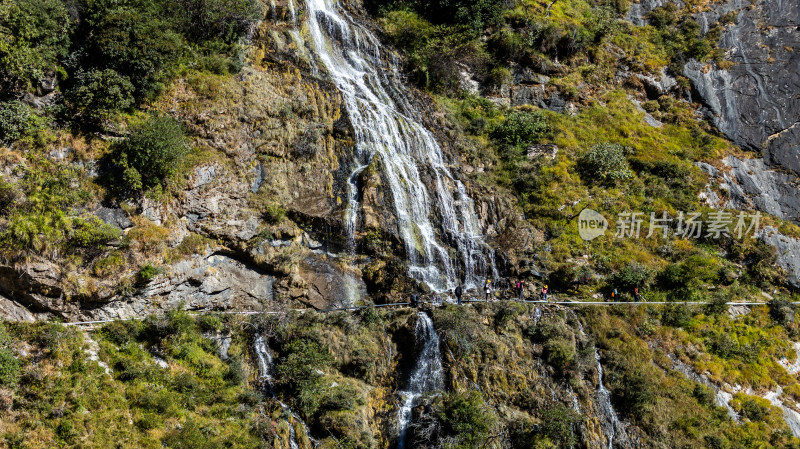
389 133
265 365
427 376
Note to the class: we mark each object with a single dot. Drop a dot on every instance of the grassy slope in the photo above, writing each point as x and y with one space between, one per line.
341 372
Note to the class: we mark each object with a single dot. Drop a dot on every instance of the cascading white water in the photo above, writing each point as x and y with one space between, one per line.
388 132
612 426
427 376
265 364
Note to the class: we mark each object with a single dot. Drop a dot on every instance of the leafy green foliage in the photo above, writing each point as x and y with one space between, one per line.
9 364
16 121
92 232
558 425
151 154
634 275
207 20
467 419
522 128
98 94
605 163
34 38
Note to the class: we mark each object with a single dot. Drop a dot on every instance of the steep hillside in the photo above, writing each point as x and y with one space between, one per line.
287 158
511 376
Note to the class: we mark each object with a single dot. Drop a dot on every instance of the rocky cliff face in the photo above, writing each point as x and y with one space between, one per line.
753 102
265 208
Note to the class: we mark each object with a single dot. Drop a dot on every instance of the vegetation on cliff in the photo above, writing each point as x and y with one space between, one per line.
517 375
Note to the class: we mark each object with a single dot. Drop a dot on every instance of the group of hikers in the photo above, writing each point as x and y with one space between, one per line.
489 290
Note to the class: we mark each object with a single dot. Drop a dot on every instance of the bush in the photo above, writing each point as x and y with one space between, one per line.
559 353
467 419
639 394
634 275
135 39
98 94
92 232
147 273
781 311
522 128
122 332
9 368
303 359
35 36
605 163
16 121
558 425
676 315
226 20
152 153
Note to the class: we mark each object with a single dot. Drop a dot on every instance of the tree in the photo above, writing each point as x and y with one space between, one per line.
150 156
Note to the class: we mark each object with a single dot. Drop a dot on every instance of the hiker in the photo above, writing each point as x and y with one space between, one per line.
520 289
544 293
488 290
636 296
414 300
459 292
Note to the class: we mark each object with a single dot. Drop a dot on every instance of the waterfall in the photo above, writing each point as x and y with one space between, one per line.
612 426
265 365
427 376
389 133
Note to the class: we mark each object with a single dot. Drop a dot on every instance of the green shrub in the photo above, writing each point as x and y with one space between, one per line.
236 372
676 315
559 353
558 425
9 367
151 154
467 419
16 121
35 37
474 14
522 128
122 332
782 311
639 393
98 94
226 20
135 39
274 213
605 163
93 232
147 273
303 358
634 275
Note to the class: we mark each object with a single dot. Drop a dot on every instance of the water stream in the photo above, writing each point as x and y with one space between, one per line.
389 134
612 426
427 376
265 366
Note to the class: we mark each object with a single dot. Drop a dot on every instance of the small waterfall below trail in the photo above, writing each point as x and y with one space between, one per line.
427 376
265 364
389 133
612 426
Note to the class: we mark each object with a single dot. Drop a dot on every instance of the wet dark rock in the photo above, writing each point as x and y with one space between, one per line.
114 217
